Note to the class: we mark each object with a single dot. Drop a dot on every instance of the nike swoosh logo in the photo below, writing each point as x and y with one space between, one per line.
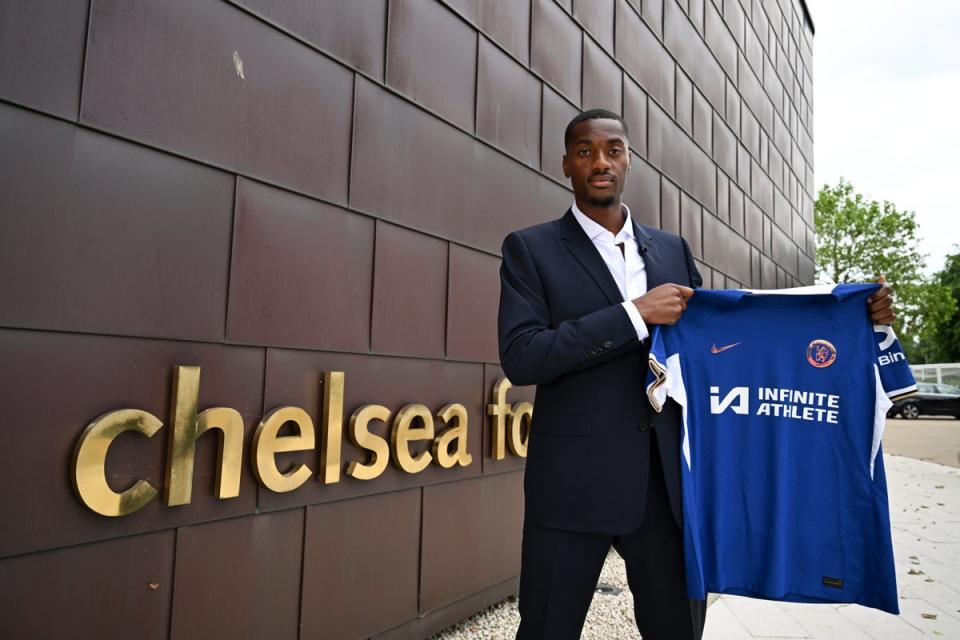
716 349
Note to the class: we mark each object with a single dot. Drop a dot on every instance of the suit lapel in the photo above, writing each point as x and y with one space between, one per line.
580 245
650 251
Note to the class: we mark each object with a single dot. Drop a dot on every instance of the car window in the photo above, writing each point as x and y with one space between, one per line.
925 388
947 389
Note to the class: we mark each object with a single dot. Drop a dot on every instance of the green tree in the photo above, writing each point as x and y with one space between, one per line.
859 239
946 334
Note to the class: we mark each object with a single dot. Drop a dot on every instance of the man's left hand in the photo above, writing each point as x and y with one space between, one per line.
880 304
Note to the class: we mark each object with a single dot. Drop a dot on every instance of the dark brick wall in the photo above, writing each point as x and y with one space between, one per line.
274 188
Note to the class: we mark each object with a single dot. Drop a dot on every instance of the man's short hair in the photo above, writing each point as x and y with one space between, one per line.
593 114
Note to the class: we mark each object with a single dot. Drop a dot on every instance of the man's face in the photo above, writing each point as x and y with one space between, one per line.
597 161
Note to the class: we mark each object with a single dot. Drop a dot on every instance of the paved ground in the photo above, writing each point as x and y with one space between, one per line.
935 439
925 516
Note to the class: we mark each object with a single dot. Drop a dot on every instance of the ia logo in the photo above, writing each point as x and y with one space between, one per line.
737 399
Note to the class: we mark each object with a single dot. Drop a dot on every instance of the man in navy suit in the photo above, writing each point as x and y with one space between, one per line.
578 296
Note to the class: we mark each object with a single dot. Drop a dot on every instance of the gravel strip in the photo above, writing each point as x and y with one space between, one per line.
610 616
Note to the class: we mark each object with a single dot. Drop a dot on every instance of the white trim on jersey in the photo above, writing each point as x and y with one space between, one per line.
882 404
669 382
896 394
812 290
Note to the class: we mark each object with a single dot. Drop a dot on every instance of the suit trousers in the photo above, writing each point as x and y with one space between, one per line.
559 573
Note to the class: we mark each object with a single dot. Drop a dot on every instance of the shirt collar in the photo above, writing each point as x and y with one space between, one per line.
594 230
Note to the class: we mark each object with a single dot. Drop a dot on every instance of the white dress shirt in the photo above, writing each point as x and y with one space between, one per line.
626 267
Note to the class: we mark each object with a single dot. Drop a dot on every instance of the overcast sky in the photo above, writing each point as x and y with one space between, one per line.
887 107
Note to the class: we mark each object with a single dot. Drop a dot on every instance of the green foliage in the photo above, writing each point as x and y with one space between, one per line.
945 337
859 239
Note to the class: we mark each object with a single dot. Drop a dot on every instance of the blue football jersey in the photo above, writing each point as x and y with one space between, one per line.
784 396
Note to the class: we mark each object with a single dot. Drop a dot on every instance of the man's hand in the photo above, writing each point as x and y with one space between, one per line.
663 304
880 304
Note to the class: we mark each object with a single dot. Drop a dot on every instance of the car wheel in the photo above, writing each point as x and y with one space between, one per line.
910 411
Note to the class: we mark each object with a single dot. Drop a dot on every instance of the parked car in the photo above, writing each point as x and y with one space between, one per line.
930 400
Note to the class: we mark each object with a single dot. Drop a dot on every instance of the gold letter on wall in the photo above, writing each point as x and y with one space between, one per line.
456 434
520 418
266 444
360 436
90 457
404 433
499 411
332 434
186 426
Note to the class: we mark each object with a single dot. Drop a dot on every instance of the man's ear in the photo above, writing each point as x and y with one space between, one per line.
566 169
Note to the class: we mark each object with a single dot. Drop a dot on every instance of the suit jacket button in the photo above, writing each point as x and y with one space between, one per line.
607 344
644 427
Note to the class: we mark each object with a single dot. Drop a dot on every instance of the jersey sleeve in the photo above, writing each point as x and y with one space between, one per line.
894 370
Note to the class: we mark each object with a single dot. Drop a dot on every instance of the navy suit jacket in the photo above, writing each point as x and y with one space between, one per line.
562 328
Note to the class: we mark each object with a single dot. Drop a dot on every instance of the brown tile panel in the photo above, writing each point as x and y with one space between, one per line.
672 151
732 115
556 48
696 14
471 537
807 270
684 115
725 250
635 115
754 94
669 206
56 384
294 378
41 53
691 215
360 565
750 133
755 279
602 79
508 104
354 32
473 297
720 40
557 112
440 619
723 197
736 209
239 578
753 49
784 252
597 17
641 192
743 167
409 293
105 236
432 193
116 589
301 272
693 54
285 118
432 57
733 15
652 11
516 395
702 121
761 188
753 223
724 146
506 21
644 57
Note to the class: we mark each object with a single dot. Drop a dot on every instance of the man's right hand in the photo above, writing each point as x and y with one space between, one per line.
663 304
